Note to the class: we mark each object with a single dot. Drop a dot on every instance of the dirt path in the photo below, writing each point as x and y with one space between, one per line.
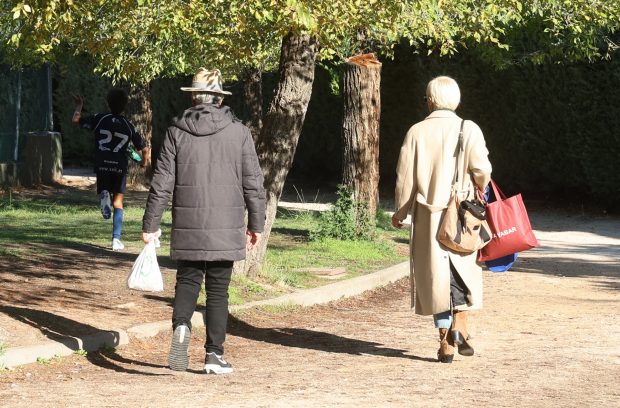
547 337
68 289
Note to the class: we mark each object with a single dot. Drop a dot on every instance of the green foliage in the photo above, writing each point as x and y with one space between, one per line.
335 76
142 40
47 361
75 76
25 107
557 31
167 101
146 39
550 128
81 353
347 220
384 220
3 347
319 151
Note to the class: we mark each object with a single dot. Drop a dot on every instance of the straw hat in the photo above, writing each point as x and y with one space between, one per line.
207 81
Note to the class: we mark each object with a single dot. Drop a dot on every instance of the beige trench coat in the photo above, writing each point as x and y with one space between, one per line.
424 179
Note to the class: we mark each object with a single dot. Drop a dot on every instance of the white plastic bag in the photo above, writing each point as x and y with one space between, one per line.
145 273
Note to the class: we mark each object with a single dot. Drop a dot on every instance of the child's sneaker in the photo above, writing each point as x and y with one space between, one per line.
216 364
178 359
106 204
117 245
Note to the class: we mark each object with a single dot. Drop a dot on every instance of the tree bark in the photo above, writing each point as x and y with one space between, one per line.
360 128
253 99
253 95
282 127
140 113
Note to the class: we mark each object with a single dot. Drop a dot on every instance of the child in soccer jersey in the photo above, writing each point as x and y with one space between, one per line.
113 133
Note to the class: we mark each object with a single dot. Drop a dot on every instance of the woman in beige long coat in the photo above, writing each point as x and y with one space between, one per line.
444 283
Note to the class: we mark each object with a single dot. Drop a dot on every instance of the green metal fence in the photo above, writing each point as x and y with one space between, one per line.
25 106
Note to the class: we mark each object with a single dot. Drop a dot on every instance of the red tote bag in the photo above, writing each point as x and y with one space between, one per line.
510 225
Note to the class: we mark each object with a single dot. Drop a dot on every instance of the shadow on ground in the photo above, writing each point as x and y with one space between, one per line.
64 331
315 340
572 268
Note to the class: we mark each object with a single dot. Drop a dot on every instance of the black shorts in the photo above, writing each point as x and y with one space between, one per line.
112 181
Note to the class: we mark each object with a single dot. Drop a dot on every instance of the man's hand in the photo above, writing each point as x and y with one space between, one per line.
251 240
149 236
396 223
146 157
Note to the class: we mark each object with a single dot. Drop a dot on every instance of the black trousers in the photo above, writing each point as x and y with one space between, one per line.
216 275
458 289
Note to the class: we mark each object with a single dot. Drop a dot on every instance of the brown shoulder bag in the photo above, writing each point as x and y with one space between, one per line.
464 228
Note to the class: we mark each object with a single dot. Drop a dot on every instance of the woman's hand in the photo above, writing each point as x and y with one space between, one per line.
396 223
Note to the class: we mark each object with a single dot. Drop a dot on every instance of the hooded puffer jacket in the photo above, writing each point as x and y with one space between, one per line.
209 167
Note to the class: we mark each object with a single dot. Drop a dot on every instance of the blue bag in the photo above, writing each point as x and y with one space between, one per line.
501 264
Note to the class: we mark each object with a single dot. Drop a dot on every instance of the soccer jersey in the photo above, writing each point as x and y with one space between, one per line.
112 135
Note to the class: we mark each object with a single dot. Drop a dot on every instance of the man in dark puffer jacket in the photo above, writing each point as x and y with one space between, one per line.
209 167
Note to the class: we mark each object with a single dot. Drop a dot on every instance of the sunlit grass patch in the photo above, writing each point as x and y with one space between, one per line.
33 229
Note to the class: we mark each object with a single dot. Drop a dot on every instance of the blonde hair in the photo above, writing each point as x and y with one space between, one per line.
444 93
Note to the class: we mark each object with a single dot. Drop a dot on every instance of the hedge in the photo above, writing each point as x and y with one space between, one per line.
553 131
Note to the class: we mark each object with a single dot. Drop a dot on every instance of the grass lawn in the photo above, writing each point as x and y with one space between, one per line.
290 249
72 217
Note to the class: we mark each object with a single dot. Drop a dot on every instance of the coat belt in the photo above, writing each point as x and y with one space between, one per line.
432 208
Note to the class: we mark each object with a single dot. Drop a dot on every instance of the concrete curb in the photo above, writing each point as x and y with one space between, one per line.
350 287
57 348
336 290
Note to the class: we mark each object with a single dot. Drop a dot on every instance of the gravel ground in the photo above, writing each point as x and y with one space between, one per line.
547 337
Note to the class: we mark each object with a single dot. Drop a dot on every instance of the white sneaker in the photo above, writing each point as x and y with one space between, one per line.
178 359
117 245
106 204
216 364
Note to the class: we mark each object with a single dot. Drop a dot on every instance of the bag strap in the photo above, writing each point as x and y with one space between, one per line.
499 195
459 149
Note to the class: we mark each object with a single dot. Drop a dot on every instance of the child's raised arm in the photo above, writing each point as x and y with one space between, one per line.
78 102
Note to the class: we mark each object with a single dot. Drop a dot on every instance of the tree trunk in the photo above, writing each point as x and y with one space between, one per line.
360 129
140 113
253 95
253 98
282 127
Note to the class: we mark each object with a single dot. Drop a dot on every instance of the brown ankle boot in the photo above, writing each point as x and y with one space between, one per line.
460 335
445 354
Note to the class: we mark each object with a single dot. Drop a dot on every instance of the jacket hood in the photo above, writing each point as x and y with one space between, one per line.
204 120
